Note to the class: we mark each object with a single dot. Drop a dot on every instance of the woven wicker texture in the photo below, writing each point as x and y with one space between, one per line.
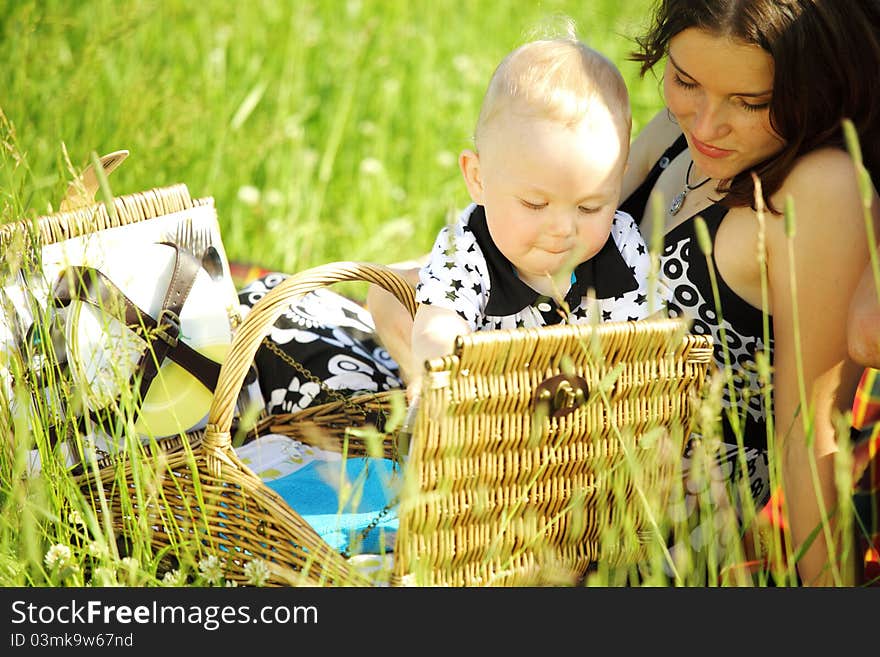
505 485
187 493
538 451
92 218
205 500
514 476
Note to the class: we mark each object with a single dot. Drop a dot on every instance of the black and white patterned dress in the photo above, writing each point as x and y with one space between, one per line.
686 272
331 337
469 275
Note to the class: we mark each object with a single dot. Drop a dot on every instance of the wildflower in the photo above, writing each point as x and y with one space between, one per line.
75 518
391 86
173 578
446 159
9 569
274 197
257 572
248 194
353 8
368 128
57 556
97 550
293 128
462 64
211 569
370 166
129 566
309 158
104 576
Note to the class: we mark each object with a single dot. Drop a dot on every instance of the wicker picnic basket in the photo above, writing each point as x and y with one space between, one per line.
538 452
206 501
499 489
183 502
505 474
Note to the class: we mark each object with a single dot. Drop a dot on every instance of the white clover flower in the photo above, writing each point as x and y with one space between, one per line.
75 518
391 86
353 8
57 556
97 550
173 578
104 576
370 166
463 64
9 569
445 159
248 194
129 564
211 569
293 128
309 158
274 197
257 572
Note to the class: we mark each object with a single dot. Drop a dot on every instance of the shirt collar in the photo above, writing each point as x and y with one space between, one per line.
606 272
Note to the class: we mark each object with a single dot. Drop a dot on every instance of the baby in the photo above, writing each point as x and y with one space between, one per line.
542 242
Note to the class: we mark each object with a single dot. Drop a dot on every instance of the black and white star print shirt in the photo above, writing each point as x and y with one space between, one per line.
467 274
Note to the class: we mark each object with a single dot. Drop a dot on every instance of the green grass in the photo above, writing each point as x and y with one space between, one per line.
324 131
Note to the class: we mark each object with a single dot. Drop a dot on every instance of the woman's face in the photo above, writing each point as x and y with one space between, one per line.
719 91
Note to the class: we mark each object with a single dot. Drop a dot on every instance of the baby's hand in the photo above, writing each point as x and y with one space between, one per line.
412 390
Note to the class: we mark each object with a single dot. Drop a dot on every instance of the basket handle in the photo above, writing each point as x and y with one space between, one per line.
256 325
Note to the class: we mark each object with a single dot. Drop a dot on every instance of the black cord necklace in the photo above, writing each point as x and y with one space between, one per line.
678 201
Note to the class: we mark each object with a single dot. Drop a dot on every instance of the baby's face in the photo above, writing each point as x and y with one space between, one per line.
551 191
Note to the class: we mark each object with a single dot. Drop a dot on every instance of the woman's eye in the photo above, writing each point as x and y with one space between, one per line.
683 83
533 206
750 107
587 210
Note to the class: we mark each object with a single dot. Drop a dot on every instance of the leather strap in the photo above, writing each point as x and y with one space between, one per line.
161 334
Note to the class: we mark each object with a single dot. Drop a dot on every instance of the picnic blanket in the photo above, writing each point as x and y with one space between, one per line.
349 502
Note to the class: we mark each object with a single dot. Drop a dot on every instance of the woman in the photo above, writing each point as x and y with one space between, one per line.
759 86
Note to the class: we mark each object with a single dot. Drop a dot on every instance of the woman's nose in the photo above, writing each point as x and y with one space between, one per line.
710 120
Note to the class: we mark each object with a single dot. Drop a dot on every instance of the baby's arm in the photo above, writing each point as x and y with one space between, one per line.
434 331
449 303
393 321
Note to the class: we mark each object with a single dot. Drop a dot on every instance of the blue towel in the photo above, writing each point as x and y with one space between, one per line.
313 492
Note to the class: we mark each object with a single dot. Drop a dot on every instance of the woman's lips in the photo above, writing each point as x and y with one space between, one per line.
709 151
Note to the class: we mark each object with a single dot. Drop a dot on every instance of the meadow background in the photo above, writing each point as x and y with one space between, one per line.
324 129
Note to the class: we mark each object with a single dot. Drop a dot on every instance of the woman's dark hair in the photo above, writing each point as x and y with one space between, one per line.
826 56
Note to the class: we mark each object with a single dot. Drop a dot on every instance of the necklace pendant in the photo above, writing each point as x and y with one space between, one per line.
677 202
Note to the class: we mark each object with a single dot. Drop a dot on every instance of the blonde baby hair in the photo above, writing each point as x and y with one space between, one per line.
559 79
